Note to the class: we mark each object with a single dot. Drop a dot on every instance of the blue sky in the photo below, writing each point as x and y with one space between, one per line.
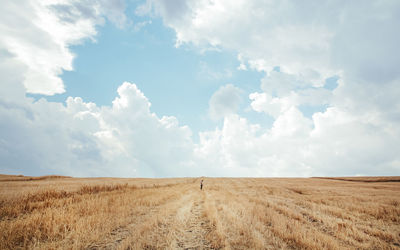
162 88
177 81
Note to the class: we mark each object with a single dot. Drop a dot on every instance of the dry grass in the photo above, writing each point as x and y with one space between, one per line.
365 178
29 178
55 212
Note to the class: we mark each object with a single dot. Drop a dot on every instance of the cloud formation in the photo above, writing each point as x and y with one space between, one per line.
37 34
298 46
82 139
313 40
224 101
75 138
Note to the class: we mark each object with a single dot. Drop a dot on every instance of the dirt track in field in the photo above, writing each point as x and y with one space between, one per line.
184 222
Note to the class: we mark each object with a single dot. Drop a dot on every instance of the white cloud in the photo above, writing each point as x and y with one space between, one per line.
309 41
230 151
76 138
282 91
242 65
333 143
83 139
358 133
291 123
162 147
38 34
224 101
273 32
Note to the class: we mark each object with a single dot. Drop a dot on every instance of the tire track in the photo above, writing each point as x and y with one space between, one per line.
196 230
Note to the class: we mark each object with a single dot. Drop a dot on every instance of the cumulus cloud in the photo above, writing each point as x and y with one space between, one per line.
299 45
224 101
38 33
76 137
331 143
307 38
82 139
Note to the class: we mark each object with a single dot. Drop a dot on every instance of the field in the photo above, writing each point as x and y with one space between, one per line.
245 213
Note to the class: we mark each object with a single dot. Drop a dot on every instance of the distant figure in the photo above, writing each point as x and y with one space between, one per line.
201 185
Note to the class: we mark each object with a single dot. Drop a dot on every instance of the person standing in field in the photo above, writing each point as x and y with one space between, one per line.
201 185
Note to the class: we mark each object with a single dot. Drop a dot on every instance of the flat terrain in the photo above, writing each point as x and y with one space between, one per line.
245 213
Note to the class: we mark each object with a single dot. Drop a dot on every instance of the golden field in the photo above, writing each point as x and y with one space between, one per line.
229 213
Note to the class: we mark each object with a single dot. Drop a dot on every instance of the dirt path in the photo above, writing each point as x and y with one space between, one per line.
196 226
178 224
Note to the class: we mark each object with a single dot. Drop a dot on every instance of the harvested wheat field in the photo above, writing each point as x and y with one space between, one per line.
269 213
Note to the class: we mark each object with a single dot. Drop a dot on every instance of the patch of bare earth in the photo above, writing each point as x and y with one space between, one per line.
180 223
196 228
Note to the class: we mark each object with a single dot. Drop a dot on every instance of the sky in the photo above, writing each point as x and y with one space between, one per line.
173 88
